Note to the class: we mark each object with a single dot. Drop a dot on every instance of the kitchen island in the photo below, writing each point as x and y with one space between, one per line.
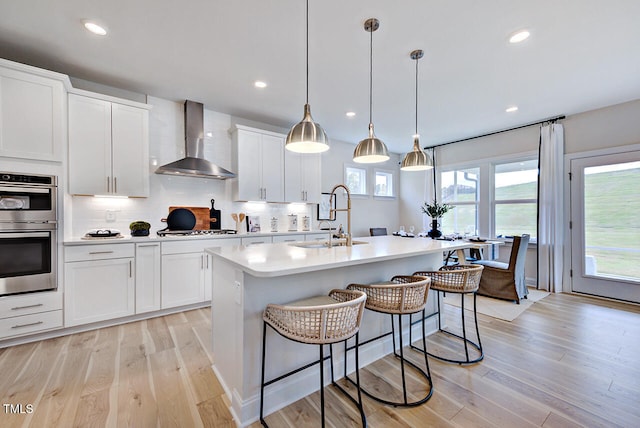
247 278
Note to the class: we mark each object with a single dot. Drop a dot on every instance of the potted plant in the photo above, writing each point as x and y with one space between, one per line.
435 211
139 228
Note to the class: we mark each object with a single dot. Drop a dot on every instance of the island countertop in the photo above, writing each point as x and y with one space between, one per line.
282 259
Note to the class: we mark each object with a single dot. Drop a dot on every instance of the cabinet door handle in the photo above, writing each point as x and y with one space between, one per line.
130 269
100 252
27 325
148 245
108 184
19 308
207 259
115 184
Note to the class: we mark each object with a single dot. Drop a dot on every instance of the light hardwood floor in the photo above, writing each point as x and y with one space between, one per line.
567 361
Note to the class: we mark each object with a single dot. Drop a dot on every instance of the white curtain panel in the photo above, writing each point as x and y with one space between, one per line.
551 208
430 191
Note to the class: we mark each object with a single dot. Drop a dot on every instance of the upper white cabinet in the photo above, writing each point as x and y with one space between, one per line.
302 177
259 162
108 146
32 112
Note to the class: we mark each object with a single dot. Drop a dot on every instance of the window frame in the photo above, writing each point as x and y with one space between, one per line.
495 202
365 174
387 172
486 186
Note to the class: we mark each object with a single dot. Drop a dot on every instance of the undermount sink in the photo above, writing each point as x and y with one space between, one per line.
325 244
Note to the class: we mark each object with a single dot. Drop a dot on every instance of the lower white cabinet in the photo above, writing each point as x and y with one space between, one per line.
148 275
183 278
186 271
99 283
30 313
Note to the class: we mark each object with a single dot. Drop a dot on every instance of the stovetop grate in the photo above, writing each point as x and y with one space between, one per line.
203 232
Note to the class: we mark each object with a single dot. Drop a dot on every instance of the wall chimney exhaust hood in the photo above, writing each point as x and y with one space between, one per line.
194 164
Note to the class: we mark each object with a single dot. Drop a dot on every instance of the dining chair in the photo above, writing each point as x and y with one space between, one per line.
377 231
506 280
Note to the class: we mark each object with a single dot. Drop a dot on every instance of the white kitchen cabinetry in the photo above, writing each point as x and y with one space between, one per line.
32 112
99 283
186 271
148 277
30 313
302 176
108 146
258 158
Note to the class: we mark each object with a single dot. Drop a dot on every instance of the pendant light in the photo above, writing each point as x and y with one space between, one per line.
307 136
371 149
417 159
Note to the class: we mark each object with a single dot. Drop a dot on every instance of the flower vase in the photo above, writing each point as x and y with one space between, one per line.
434 232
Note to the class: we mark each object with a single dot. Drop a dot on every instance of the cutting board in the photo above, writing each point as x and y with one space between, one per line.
202 216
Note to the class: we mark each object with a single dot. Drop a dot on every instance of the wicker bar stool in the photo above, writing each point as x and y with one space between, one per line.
403 295
458 279
318 320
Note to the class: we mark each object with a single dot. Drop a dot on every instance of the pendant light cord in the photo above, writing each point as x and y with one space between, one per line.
371 76
307 51
417 60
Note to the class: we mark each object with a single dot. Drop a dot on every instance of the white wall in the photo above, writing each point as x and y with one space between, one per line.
166 144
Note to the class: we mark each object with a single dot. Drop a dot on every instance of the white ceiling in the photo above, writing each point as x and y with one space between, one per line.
582 55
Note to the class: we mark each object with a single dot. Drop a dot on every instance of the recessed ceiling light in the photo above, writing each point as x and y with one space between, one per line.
95 28
519 36
351 114
511 109
209 134
259 84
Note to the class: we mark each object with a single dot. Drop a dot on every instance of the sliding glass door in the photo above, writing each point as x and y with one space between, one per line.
605 232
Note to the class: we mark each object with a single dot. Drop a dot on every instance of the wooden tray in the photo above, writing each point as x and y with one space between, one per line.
202 216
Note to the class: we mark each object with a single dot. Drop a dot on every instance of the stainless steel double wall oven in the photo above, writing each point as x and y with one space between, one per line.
28 233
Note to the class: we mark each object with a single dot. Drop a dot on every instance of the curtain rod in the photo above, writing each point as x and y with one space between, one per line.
551 119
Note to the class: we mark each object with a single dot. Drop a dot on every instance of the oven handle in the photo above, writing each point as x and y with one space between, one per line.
24 189
25 235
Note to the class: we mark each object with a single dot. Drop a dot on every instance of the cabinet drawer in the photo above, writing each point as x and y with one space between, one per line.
13 306
28 324
196 245
255 240
98 252
317 236
287 238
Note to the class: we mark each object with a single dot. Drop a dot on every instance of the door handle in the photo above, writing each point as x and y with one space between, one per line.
27 325
115 184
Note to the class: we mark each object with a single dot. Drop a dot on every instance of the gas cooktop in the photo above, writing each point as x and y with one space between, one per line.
202 232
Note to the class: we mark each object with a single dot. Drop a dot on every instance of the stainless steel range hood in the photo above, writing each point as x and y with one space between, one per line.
194 164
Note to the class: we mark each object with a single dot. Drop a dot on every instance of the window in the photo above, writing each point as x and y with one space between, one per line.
384 184
356 179
515 198
461 189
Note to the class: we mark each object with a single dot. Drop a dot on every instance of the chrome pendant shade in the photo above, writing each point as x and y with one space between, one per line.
416 159
307 136
371 149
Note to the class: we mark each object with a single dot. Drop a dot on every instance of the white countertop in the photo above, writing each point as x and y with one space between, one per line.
153 237
279 259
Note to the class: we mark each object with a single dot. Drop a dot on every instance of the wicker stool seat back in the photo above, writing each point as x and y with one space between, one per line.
319 324
455 279
404 294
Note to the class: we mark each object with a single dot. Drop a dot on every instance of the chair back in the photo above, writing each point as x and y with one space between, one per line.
518 253
377 231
